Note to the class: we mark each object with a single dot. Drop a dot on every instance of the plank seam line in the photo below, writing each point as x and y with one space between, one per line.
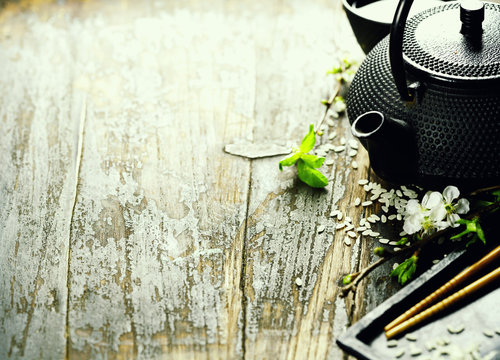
244 302
78 165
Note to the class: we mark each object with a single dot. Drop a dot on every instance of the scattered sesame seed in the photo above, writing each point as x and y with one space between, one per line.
391 217
362 182
435 261
393 243
430 346
385 208
383 218
348 219
399 217
330 122
415 351
360 229
392 343
383 241
354 164
367 187
334 213
349 227
353 143
488 333
374 216
347 241
394 266
372 220
339 216
351 234
339 226
366 203
329 162
357 201
339 148
321 228
399 193
298 281
352 153
332 135
366 232
455 329
374 234
342 140
374 197
400 353
403 233
397 248
411 337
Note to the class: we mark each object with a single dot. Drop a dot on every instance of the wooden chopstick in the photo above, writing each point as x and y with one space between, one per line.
446 288
450 300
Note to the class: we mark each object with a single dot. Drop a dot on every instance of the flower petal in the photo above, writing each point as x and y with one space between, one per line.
450 193
412 207
462 206
413 224
432 199
452 220
438 213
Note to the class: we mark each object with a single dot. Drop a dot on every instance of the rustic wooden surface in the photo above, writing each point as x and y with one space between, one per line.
125 229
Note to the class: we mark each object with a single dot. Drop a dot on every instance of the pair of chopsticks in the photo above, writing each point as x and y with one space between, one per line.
423 310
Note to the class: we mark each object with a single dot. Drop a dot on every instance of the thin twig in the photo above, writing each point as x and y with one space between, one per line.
329 103
414 247
478 191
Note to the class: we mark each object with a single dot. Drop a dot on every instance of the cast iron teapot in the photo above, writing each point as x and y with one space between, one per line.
425 102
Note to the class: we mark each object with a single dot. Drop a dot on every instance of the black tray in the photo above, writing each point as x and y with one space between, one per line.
366 339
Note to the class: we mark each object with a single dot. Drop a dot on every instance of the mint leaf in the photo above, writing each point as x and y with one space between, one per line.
310 176
405 270
312 160
289 161
308 141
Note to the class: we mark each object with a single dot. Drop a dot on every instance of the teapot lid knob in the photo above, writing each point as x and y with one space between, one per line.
472 16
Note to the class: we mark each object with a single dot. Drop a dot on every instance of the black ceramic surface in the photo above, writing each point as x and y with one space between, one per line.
371 20
366 339
368 31
456 123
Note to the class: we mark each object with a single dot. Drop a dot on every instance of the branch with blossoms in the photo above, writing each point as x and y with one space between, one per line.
436 216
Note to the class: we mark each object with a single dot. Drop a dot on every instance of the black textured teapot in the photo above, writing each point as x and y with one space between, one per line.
425 102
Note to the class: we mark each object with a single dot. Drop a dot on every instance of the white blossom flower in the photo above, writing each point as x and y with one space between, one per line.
436 212
427 216
450 193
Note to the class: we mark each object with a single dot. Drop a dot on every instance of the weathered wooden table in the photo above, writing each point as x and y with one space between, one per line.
125 229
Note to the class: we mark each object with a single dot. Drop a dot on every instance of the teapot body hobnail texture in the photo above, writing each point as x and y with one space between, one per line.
455 125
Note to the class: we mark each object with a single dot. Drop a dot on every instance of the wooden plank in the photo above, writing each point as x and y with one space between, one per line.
158 225
284 320
39 118
116 184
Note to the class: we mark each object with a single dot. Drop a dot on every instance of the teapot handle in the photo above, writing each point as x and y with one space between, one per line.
396 50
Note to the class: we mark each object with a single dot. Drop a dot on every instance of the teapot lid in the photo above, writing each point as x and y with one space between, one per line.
455 42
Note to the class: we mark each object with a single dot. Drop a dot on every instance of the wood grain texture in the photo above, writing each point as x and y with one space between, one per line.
126 232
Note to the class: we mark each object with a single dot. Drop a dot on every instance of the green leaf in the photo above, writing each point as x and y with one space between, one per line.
403 241
471 226
347 280
308 141
312 160
496 194
289 161
310 176
405 270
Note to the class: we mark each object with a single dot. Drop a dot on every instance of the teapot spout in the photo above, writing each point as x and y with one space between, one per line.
391 146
